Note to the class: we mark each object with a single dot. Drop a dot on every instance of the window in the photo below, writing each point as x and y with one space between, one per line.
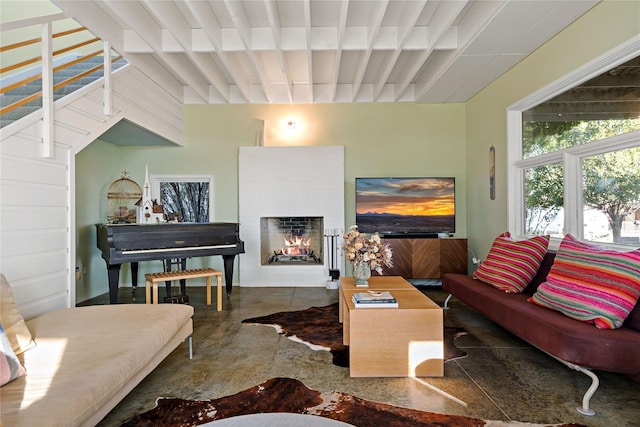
574 155
543 199
611 196
184 198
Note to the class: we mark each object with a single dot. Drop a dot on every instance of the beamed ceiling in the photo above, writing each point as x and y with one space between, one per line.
324 51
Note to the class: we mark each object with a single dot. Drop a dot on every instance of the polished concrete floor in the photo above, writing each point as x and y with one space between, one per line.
503 378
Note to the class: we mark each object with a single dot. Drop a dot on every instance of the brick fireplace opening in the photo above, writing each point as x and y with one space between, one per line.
291 240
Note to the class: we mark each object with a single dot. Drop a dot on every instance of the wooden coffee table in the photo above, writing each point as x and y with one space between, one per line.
392 342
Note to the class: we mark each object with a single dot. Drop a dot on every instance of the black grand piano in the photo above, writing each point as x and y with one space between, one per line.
132 243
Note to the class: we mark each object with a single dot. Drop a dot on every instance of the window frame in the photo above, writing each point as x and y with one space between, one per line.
569 157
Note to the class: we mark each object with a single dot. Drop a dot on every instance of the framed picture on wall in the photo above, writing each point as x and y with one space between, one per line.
184 198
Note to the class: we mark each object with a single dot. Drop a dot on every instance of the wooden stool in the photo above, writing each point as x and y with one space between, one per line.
154 278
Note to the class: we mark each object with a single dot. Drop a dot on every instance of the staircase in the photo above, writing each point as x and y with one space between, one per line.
38 145
80 102
85 103
60 76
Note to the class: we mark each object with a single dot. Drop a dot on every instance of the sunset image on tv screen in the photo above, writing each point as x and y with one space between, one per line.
405 205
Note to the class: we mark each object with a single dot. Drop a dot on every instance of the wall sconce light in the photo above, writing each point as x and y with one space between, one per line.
291 129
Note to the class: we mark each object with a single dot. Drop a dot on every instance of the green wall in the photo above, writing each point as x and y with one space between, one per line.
379 140
96 168
600 30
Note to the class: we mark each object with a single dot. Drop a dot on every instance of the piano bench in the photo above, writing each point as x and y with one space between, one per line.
152 280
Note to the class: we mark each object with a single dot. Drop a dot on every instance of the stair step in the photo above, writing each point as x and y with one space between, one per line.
23 91
34 87
66 90
10 99
20 112
20 93
66 73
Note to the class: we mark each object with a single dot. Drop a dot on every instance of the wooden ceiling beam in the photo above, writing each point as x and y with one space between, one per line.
204 16
138 19
410 14
340 31
274 25
444 19
375 22
172 21
236 10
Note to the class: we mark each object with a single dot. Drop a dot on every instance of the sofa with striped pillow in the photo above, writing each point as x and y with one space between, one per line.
580 306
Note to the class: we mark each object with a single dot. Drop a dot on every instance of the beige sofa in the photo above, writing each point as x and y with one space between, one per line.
86 359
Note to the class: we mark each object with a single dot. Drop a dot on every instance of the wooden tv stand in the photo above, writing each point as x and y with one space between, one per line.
416 258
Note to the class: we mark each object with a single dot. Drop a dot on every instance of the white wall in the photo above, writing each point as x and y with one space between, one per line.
35 246
288 181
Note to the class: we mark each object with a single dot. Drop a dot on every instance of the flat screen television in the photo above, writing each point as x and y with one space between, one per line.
409 207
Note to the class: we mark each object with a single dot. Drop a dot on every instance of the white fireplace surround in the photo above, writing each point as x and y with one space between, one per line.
288 181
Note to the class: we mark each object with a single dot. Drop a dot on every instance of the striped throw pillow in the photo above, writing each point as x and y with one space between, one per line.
511 265
592 284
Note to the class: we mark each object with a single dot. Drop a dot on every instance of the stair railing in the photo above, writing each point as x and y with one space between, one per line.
42 66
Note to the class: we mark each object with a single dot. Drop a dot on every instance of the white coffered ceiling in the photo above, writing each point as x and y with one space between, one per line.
323 51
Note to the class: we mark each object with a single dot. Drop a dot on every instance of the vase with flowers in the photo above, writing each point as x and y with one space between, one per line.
366 254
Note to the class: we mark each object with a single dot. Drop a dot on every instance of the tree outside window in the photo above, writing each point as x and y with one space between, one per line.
544 200
609 184
612 186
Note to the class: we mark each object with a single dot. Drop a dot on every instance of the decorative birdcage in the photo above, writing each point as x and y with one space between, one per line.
122 196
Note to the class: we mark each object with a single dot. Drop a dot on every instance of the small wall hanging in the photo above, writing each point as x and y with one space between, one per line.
492 173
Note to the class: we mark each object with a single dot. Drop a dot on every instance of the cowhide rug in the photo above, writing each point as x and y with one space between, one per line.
292 396
319 328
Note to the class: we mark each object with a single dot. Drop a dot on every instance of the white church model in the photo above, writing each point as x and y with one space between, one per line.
146 214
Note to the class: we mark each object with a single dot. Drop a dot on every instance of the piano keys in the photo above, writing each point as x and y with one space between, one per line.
132 243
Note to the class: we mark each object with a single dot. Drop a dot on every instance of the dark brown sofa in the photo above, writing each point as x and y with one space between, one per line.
579 345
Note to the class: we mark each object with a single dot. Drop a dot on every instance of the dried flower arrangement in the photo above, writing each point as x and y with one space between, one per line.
360 249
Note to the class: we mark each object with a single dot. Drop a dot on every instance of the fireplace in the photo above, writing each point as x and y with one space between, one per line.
291 241
270 196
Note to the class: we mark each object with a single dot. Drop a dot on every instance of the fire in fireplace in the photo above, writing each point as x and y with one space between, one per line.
291 240
295 249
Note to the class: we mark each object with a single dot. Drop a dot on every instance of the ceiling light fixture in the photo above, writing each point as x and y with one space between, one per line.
291 124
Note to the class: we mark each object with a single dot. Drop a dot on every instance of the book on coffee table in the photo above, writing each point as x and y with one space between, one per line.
373 299
374 296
